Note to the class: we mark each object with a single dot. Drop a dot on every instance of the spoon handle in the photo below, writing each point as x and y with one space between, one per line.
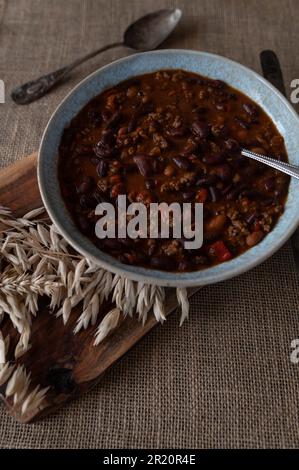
287 168
35 89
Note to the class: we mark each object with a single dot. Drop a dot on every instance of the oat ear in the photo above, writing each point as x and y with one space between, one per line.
37 262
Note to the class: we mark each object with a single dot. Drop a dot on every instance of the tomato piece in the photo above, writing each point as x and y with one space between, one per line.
256 226
221 251
202 195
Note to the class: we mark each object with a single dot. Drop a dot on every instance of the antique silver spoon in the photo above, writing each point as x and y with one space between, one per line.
145 34
287 168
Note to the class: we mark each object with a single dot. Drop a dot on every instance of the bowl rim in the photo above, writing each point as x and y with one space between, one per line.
148 275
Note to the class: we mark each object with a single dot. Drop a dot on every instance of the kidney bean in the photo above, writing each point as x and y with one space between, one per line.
234 193
182 162
83 224
87 202
105 114
227 189
251 218
184 265
103 150
102 185
95 117
207 180
187 196
144 164
122 131
132 124
85 185
190 147
250 109
169 170
94 160
214 193
177 132
232 145
242 123
270 184
214 158
254 238
150 184
276 142
144 109
193 158
199 110
107 137
259 150
279 192
242 135
114 119
102 168
219 130
200 129
267 202
158 164
224 172
218 84
99 196
215 224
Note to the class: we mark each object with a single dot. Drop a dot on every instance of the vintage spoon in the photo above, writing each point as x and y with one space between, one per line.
287 168
145 34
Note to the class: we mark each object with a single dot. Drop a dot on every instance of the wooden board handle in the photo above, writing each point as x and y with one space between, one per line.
18 186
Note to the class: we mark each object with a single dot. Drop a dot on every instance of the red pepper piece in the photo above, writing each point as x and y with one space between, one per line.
221 251
202 195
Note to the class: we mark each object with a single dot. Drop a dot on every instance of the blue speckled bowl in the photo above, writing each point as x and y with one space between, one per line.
212 66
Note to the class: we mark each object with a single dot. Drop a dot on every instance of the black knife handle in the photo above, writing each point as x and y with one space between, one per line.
272 70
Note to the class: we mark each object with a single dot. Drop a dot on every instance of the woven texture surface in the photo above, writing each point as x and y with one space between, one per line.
225 378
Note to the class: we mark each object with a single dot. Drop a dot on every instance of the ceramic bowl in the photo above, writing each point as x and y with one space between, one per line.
210 65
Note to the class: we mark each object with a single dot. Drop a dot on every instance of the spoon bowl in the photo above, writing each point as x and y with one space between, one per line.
151 30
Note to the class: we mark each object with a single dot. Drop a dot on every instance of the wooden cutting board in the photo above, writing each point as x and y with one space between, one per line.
69 363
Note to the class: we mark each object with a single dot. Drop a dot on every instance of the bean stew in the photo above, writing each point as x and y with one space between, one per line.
172 136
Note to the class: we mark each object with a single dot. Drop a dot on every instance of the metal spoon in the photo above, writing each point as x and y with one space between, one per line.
145 34
287 168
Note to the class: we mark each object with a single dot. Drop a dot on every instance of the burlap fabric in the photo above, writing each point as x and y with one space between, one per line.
225 378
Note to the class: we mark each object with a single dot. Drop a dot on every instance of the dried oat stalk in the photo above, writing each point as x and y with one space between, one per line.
35 261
